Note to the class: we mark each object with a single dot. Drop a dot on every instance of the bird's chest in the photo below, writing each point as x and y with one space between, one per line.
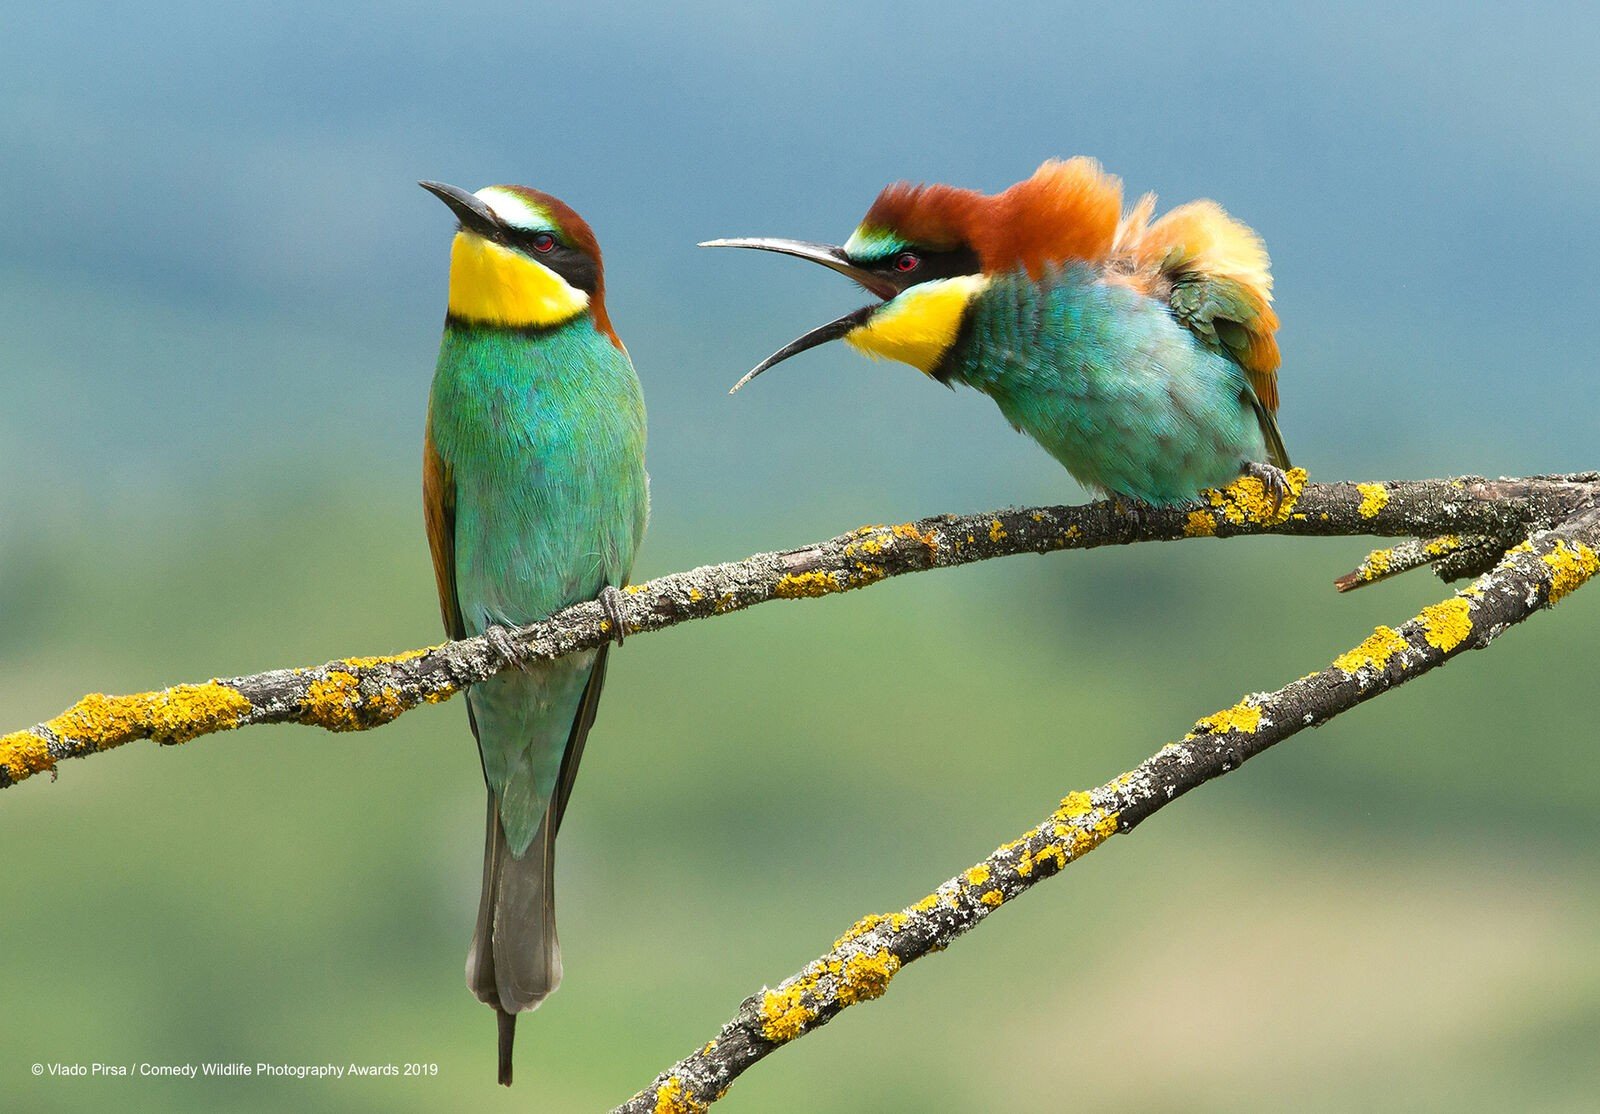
543 483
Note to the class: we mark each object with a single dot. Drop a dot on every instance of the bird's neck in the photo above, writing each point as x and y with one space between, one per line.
1014 317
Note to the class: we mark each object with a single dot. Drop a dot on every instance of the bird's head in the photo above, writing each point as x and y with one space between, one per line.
521 259
927 251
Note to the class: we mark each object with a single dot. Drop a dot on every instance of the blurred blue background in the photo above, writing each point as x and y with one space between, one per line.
220 296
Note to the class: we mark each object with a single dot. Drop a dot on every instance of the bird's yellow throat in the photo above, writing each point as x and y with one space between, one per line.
918 326
499 286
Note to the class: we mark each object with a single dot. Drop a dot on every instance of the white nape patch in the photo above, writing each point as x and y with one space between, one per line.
515 210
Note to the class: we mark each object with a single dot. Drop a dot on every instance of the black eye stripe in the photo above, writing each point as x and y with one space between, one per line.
580 271
931 264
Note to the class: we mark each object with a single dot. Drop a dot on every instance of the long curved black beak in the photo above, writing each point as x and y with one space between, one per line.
822 334
473 214
828 255
835 259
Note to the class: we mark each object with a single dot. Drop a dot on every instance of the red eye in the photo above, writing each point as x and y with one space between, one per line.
543 242
907 261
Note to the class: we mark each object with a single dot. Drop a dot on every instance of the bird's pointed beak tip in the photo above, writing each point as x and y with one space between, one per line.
470 209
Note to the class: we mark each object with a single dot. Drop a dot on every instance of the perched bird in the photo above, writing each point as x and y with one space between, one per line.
1139 353
535 498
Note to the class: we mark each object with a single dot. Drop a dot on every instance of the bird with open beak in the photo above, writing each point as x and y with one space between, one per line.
1140 353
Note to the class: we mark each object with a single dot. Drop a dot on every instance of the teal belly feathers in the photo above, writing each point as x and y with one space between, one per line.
544 437
1109 383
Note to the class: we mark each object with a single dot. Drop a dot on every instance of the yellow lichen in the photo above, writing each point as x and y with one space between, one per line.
335 701
864 977
1570 566
1374 497
23 754
1076 804
867 574
1244 718
1438 547
1247 501
865 925
1199 525
387 704
1375 652
1085 840
927 903
909 530
173 715
330 702
1051 852
805 585
784 1014
1446 625
996 531
695 596
671 1099
99 722
1376 564
992 898
977 875
390 659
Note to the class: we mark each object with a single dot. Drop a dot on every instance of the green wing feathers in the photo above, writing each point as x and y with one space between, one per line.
1217 278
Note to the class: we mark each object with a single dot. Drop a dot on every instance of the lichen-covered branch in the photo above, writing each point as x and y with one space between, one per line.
1535 574
358 693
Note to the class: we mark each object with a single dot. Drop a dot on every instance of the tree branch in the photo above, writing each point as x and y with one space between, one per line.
354 694
1460 523
1535 574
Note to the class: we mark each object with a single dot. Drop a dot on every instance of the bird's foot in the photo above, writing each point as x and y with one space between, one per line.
1272 478
1135 511
504 644
611 603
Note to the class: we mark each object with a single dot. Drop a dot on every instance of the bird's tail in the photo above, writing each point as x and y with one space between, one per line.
515 959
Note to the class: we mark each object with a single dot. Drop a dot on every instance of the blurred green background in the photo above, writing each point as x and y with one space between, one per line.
220 295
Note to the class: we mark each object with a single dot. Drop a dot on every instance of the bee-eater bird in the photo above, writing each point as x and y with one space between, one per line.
1140 354
535 498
